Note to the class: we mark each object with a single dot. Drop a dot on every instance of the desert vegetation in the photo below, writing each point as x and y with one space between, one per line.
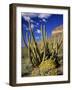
42 58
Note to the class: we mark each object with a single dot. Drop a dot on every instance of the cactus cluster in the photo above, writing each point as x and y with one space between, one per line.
49 53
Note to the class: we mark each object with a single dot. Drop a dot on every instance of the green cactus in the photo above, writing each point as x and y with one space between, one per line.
49 51
34 52
43 38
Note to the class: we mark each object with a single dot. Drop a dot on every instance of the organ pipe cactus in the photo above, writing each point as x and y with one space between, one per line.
34 50
43 39
35 54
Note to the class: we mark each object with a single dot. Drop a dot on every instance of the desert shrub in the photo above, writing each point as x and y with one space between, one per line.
46 66
53 72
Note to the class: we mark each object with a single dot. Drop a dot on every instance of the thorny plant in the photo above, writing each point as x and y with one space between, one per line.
49 51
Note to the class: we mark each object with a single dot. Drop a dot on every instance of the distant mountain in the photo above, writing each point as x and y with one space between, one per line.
58 31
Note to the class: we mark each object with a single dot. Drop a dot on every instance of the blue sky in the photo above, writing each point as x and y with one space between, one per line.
51 21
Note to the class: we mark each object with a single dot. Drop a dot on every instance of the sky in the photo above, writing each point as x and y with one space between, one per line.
51 21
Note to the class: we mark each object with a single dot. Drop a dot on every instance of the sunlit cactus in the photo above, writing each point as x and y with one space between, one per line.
45 56
36 56
43 39
49 51
36 60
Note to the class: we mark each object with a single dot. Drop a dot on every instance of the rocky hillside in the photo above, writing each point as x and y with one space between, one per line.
58 31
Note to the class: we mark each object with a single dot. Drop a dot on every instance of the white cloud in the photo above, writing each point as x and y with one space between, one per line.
45 15
32 26
38 31
40 15
32 21
30 14
44 20
27 18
